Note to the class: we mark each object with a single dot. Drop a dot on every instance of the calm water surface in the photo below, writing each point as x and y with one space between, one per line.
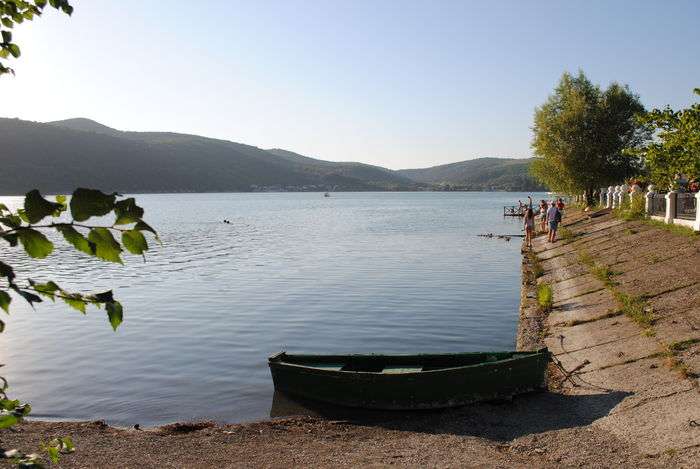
355 272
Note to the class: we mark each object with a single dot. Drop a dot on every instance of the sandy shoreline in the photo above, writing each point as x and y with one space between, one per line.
628 408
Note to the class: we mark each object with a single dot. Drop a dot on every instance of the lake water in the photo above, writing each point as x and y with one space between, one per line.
355 272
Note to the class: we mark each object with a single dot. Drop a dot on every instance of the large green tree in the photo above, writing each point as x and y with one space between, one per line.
676 146
581 132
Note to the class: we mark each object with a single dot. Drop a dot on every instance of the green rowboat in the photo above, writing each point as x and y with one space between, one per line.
403 382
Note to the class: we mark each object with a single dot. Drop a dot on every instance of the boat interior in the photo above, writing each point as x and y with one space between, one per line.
393 364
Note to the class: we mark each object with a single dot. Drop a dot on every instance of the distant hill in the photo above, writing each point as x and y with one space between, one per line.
481 174
57 157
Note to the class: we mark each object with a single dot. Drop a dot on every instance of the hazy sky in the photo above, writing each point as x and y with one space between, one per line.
395 83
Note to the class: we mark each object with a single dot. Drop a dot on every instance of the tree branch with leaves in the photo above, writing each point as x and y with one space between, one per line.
14 12
26 227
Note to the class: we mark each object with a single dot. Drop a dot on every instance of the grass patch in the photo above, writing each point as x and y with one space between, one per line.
545 297
679 346
632 209
585 258
678 366
535 264
565 234
608 315
677 229
672 360
635 308
604 274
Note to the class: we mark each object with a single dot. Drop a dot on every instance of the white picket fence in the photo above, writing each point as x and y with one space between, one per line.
678 209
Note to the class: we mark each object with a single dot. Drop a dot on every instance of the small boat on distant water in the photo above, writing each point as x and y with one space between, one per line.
326 194
403 382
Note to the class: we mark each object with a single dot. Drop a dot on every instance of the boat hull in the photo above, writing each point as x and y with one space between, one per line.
432 389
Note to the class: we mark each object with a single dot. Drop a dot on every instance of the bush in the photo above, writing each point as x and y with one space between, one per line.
545 297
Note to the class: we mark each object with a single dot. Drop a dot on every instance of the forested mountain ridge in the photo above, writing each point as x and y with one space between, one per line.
58 156
481 174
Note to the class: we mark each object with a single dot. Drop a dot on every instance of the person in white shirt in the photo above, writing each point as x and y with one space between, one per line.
553 219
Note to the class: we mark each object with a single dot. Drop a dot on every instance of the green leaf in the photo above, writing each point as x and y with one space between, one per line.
115 314
143 226
127 212
35 243
8 404
104 297
47 289
7 271
8 420
87 203
7 22
5 300
75 301
22 215
30 297
14 50
36 207
52 451
134 242
75 238
3 208
11 238
6 36
12 221
67 445
61 199
106 247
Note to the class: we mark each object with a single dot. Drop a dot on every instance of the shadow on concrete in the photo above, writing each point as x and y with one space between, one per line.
500 421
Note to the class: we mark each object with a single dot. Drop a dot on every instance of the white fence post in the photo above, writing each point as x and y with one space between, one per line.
616 196
623 193
611 192
649 197
696 225
670 207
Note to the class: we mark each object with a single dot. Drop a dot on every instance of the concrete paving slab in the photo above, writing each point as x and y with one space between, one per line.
607 354
581 301
593 333
587 312
682 300
678 327
591 285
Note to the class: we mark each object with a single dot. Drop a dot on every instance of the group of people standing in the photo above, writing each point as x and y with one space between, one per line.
549 215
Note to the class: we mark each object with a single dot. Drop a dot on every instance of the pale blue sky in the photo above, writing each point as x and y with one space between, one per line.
395 83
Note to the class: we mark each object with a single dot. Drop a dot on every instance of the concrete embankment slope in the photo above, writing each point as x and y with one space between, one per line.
626 316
